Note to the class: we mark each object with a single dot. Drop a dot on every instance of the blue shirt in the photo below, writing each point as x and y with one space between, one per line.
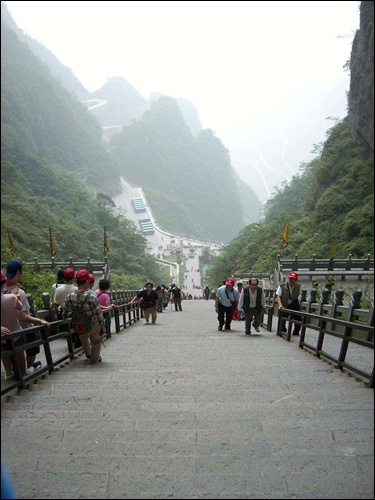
225 296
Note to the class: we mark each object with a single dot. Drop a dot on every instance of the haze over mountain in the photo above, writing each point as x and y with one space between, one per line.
269 152
185 175
58 167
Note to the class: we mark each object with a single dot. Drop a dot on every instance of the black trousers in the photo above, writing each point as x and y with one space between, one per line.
284 315
225 315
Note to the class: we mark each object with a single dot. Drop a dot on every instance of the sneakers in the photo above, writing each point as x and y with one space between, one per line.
219 328
36 366
227 328
248 333
257 329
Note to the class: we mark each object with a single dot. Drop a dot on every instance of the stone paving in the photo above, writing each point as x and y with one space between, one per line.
181 410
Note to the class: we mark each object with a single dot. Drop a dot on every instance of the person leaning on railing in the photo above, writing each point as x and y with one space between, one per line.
149 302
287 296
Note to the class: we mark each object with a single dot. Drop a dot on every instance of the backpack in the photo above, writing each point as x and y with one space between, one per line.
81 323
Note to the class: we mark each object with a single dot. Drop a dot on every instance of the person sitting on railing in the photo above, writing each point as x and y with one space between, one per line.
287 296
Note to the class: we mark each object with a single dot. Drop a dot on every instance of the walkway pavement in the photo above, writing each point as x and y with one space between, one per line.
180 410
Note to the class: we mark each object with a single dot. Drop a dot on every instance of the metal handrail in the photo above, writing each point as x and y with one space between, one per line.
321 327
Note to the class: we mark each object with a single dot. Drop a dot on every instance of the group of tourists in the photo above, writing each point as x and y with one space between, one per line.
154 301
250 302
73 297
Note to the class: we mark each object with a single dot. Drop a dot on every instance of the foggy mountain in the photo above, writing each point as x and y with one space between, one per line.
270 152
264 155
180 171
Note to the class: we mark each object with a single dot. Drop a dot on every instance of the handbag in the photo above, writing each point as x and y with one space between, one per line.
236 315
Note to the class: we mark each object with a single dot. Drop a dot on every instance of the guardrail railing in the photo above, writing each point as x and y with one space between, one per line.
335 327
124 316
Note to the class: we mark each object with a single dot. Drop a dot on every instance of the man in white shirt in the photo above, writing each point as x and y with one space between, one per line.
62 291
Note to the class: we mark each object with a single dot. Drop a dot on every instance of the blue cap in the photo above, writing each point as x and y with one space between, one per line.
12 267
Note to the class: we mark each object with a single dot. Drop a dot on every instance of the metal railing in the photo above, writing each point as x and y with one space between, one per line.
124 316
326 325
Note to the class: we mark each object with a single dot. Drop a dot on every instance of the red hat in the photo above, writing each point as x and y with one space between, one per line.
82 275
230 282
91 278
293 275
69 273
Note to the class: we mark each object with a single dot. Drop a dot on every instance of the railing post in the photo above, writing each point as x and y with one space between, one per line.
366 266
348 264
337 301
295 263
312 297
313 263
356 300
322 324
355 303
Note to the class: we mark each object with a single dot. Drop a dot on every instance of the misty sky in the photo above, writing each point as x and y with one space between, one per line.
243 65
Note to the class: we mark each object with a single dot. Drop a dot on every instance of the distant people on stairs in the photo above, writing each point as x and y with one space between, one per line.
160 293
177 298
226 303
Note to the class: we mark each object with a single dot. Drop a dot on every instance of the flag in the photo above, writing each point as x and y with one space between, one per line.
286 236
52 243
12 247
106 247
333 255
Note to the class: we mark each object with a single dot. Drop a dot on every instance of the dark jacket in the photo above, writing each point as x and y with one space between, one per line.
286 296
246 299
150 300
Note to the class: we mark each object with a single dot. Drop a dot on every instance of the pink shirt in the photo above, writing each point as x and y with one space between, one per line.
103 298
9 316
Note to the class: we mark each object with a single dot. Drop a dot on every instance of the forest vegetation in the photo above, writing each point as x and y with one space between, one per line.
57 172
